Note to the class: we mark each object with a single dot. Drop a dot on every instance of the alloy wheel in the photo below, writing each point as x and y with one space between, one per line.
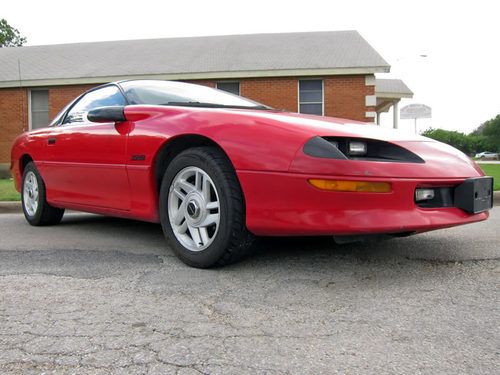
30 193
194 208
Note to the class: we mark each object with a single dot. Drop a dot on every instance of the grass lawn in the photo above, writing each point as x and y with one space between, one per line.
494 171
7 191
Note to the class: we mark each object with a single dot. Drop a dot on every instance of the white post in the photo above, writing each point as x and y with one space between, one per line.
395 114
378 118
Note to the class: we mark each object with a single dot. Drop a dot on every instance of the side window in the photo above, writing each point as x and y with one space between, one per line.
105 97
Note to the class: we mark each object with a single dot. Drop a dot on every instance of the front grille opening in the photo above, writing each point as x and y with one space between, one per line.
443 197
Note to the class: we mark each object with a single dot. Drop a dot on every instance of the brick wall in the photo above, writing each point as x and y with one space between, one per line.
13 118
279 93
202 82
344 97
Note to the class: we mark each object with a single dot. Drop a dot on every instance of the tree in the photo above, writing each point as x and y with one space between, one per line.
490 131
465 143
485 138
10 36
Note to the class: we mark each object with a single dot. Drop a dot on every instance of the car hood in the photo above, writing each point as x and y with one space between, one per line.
330 126
441 160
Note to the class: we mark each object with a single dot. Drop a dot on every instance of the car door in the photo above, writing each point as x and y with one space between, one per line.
86 160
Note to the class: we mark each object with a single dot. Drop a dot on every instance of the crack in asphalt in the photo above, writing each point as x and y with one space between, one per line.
295 307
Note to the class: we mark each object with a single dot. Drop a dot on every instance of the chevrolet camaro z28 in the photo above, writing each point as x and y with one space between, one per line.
217 169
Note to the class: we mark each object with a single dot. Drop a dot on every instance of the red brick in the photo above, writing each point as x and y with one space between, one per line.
13 118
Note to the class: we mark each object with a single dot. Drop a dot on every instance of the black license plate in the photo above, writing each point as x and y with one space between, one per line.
475 195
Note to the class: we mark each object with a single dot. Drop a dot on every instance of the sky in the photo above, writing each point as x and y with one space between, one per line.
447 52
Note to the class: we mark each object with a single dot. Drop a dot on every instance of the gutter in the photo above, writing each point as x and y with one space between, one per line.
197 76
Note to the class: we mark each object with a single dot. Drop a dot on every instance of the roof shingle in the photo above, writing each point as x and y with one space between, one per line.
340 52
392 87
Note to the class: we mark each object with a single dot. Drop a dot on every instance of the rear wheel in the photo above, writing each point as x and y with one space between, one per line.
202 209
35 207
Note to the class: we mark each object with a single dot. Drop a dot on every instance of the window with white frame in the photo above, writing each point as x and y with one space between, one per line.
39 105
311 96
232 87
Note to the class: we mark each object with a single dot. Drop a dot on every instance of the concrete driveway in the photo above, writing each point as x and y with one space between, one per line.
96 295
488 162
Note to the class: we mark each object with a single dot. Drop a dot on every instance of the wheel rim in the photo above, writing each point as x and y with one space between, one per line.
30 193
194 208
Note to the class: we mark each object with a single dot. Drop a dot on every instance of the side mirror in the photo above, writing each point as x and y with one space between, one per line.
107 114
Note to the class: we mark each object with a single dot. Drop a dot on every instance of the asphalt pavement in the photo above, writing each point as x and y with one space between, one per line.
97 295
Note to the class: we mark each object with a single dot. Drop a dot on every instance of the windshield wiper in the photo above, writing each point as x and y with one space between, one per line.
215 105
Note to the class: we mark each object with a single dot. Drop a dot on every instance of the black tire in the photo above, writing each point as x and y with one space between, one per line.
232 240
44 214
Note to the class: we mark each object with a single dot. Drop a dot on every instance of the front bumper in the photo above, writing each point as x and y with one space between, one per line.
285 204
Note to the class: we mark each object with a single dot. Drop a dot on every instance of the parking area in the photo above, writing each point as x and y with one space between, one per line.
98 295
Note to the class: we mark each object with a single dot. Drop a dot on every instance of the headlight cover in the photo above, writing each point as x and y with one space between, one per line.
346 148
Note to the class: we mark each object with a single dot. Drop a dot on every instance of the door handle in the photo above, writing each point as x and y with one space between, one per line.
51 141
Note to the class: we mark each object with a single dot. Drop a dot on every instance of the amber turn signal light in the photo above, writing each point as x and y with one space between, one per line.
361 186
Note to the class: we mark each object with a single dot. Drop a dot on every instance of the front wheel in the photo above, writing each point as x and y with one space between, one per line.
33 197
202 210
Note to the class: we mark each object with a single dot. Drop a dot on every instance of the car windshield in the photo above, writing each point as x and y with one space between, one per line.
183 94
61 113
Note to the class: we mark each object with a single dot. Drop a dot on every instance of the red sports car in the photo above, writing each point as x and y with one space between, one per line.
217 169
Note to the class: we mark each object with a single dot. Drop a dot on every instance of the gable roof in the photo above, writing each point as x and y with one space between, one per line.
392 88
210 57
